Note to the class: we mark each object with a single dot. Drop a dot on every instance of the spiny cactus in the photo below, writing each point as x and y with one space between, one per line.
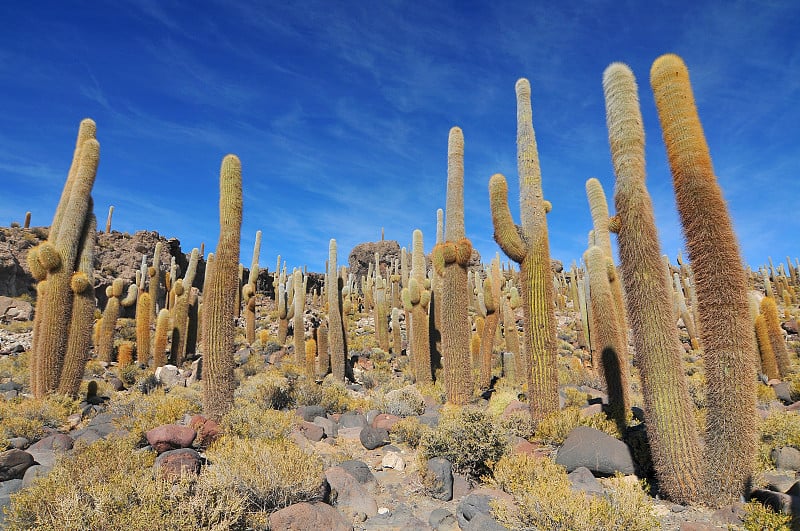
720 284
415 301
108 220
323 356
607 337
769 365
125 354
249 293
450 259
83 306
492 303
516 373
154 273
336 338
58 259
220 299
773 326
160 338
310 357
299 300
105 345
671 425
528 246
143 314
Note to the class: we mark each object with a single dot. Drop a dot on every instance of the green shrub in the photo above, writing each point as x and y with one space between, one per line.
29 417
543 499
555 428
250 420
408 430
759 518
140 413
269 390
468 438
15 368
520 424
269 474
109 485
780 428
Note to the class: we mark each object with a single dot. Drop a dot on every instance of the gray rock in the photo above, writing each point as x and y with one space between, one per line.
20 443
13 464
348 495
311 431
330 427
484 522
440 471
352 419
197 371
443 520
371 414
35 472
474 514
582 479
786 458
15 309
170 376
359 470
599 452
778 501
780 481
309 413
372 438
11 386
58 441
401 519
783 391
7 488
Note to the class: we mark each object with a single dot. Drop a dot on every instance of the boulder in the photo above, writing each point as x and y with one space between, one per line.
330 427
309 413
359 470
170 437
443 520
15 310
582 479
13 464
372 438
348 495
474 512
58 441
352 419
786 458
304 515
173 464
439 478
601 453
311 431
385 421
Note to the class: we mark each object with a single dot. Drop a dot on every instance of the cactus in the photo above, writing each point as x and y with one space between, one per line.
310 357
323 356
336 338
669 415
179 315
249 293
125 354
83 306
143 318
720 284
528 246
450 259
108 219
105 344
397 340
492 304
58 258
220 299
154 273
769 365
599 209
27 223
415 300
607 336
160 338
773 325
299 300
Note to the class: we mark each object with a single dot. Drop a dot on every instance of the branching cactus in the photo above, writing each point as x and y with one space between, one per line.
143 311
720 283
415 300
105 345
669 415
528 245
220 300
57 262
450 259
336 338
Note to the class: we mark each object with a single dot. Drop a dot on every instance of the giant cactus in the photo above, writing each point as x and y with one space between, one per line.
249 293
58 257
720 283
336 338
671 426
220 299
415 301
528 245
450 259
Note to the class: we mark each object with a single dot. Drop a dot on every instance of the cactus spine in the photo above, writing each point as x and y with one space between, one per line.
720 284
220 299
249 293
528 246
299 300
336 341
58 257
143 318
450 259
415 301
773 327
160 338
671 426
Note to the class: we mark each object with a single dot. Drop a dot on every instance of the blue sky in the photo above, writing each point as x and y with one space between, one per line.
340 112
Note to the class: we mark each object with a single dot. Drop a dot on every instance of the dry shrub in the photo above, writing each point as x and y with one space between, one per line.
30 417
780 428
270 475
140 413
408 430
555 428
250 420
403 402
543 499
758 518
269 390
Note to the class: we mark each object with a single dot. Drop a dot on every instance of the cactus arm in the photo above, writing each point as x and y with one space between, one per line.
506 232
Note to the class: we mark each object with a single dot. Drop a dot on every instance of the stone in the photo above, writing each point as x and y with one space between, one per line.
783 391
780 481
13 464
371 414
372 438
352 419
399 519
116 384
170 437
15 310
439 478
58 441
474 511
778 501
196 371
20 443
430 419
330 427
10 386
582 479
304 515
311 431
173 464
208 430
385 421
599 452
309 413
359 470
35 472
484 522
786 458
348 495
443 520
394 461
170 376
730 514
790 326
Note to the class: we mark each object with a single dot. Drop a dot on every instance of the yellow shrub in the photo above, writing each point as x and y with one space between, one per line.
555 428
758 518
251 420
141 413
28 417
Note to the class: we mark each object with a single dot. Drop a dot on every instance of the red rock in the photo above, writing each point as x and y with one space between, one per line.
306 515
385 421
170 437
175 463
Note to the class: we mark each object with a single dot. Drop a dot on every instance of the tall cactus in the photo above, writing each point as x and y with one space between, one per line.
773 327
249 293
154 273
336 338
299 300
415 301
492 302
528 246
220 299
58 257
143 318
105 345
671 425
450 259
720 283
160 337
